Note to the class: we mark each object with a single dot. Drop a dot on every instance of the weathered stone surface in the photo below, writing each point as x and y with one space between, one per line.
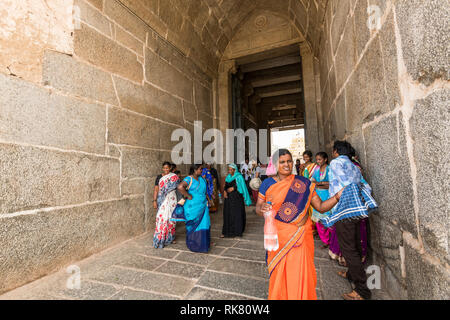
366 95
181 269
89 291
339 22
78 78
150 212
170 15
301 15
346 54
34 245
251 245
33 178
332 80
107 54
127 294
30 28
206 119
132 129
117 12
92 16
133 186
143 8
423 27
140 163
385 143
198 293
160 282
158 253
96 3
339 124
129 41
245 254
425 280
328 274
362 34
430 130
149 101
165 76
390 62
324 67
141 262
203 100
326 103
196 258
395 288
33 115
165 137
189 112
386 239
113 151
357 141
245 268
237 284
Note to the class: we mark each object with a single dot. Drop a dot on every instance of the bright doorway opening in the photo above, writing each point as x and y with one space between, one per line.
291 139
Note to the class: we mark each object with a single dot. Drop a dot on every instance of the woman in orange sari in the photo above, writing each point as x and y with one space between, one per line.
291 267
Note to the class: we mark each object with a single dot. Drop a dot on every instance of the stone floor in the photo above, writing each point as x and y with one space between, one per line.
233 270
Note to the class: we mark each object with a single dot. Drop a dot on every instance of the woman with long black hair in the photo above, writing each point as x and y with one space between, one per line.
196 211
236 198
165 200
287 199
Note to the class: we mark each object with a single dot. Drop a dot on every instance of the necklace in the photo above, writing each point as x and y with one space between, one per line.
322 173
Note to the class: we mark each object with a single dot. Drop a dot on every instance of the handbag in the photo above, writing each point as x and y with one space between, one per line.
178 212
182 200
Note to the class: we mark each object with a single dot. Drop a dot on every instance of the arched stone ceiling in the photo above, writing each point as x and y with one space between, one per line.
202 29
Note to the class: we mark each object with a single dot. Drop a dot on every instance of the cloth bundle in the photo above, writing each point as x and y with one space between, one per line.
355 203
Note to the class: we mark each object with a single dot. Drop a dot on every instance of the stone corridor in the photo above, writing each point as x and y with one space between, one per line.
234 269
92 90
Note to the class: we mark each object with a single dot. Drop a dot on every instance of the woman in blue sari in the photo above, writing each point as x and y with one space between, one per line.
196 210
320 177
206 174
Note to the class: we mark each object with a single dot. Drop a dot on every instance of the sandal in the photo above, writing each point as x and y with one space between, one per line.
343 274
342 262
352 296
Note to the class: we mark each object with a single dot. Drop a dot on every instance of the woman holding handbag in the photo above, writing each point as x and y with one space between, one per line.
196 212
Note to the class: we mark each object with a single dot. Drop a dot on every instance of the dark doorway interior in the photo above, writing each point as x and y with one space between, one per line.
267 90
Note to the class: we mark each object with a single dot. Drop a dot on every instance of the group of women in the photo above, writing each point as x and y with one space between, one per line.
200 193
297 202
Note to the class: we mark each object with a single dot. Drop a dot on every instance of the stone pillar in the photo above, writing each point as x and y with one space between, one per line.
226 69
309 92
319 105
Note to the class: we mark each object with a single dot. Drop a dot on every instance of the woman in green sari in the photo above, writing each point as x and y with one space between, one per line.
236 198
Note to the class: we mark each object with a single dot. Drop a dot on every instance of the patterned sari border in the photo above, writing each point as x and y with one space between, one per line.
277 259
290 244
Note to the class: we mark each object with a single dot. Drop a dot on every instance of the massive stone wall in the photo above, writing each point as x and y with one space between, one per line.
86 113
85 124
386 90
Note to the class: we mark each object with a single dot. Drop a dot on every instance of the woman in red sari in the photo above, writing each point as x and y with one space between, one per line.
291 267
